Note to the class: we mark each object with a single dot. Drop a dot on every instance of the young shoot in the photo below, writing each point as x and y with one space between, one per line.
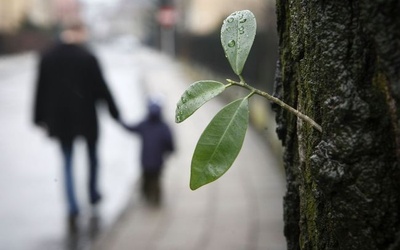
222 140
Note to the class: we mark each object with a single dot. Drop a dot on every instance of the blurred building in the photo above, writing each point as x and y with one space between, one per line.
41 13
12 14
110 20
30 24
204 16
65 10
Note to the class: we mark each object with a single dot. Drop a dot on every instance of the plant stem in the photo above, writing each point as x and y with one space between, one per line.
242 79
271 98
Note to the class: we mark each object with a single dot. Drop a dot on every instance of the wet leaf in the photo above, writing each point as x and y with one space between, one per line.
220 143
195 96
237 36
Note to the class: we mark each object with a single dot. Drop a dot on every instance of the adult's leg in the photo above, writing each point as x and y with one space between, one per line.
145 185
94 195
66 147
156 186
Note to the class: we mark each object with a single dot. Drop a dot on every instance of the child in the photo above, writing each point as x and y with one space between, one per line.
156 142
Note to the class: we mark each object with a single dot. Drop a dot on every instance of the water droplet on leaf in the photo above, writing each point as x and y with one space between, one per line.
243 20
231 43
230 19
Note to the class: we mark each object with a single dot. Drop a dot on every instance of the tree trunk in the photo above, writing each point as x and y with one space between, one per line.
340 64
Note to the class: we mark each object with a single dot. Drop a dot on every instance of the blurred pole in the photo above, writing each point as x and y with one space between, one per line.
166 18
168 40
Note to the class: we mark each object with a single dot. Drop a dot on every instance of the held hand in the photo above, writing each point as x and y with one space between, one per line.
131 128
115 114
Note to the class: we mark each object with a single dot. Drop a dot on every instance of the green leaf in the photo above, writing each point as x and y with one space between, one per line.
195 96
237 36
220 143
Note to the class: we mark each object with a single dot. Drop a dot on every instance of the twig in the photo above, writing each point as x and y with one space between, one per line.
271 98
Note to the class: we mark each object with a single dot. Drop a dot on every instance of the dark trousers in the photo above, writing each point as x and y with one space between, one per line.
94 196
151 188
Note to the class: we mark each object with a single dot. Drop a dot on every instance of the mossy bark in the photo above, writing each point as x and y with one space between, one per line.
340 64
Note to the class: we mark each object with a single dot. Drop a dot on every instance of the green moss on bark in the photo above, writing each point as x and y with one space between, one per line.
335 66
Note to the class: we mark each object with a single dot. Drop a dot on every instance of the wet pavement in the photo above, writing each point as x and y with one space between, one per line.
242 210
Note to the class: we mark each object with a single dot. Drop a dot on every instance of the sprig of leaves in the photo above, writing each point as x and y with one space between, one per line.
222 140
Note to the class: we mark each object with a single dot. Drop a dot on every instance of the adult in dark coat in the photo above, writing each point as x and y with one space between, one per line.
69 85
157 141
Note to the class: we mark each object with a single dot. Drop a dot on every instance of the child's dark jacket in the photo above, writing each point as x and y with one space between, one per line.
156 140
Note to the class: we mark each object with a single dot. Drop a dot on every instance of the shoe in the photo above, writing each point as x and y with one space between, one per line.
73 222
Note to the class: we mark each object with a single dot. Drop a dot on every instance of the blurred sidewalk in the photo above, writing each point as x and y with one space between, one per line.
242 210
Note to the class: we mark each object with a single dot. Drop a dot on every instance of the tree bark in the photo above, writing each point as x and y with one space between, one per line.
339 63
